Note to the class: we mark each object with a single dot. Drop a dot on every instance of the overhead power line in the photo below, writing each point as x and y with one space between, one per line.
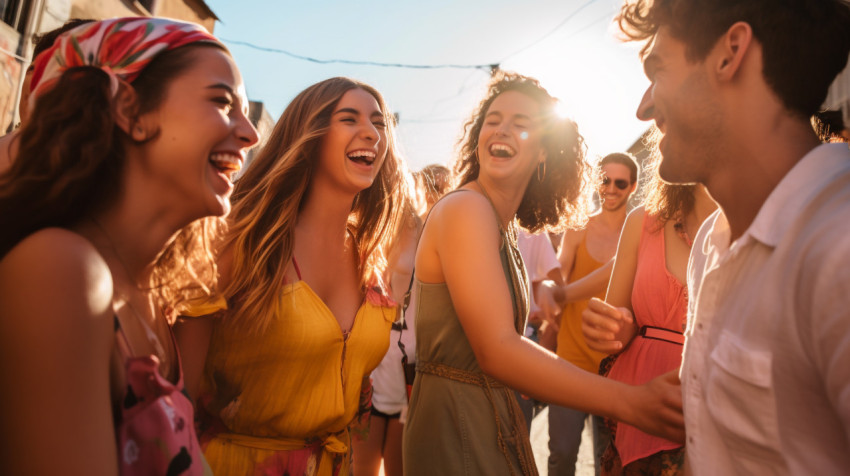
484 67
551 32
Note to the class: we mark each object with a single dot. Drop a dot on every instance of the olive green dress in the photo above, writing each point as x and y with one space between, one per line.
461 422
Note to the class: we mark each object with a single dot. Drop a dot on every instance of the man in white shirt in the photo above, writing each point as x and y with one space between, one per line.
766 368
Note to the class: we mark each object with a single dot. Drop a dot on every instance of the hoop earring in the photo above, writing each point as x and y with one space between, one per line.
541 171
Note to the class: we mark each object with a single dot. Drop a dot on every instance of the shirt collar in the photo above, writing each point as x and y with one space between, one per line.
785 203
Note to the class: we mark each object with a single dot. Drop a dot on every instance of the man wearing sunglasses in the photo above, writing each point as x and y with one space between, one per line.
766 366
586 258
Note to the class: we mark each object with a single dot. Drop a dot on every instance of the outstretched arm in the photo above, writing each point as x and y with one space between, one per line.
461 245
608 326
591 285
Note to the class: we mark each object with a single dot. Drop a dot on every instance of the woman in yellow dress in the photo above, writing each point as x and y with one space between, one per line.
301 316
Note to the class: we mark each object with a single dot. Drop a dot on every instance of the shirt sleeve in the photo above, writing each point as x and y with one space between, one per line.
829 304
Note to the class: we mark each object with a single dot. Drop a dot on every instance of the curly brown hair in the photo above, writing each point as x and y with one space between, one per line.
556 201
664 200
805 43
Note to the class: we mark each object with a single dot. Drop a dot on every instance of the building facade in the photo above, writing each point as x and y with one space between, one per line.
22 20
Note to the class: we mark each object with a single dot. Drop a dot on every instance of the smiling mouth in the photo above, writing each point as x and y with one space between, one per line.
502 151
365 157
226 164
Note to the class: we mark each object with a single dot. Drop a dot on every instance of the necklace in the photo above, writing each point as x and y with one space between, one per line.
151 335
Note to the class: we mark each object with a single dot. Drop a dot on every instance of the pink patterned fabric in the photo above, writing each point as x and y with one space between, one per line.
156 434
122 47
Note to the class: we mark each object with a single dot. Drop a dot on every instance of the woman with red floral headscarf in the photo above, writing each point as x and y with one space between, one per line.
137 125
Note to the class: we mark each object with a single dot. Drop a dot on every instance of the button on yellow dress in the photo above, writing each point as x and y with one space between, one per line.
281 402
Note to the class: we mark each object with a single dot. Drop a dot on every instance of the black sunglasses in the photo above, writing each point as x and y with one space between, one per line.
619 183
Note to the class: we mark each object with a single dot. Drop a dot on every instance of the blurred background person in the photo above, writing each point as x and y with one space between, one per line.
586 257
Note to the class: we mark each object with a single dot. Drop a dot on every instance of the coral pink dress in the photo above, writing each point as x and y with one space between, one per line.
660 303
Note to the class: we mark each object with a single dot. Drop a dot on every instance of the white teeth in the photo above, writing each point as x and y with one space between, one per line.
226 163
502 150
362 156
362 153
226 159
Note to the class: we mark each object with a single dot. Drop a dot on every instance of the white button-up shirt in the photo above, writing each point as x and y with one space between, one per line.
766 367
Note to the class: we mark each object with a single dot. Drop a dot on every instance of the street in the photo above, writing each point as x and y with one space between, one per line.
540 446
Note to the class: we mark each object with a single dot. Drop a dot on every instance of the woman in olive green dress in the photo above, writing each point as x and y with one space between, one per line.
520 164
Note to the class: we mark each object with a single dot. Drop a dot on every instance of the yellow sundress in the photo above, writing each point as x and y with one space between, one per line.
281 402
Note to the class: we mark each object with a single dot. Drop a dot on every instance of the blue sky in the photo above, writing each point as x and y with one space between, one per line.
569 45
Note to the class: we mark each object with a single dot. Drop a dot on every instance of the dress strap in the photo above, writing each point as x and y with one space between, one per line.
297 269
123 342
495 211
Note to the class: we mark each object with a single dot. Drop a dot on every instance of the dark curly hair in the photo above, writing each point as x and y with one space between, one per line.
557 201
805 43
72 157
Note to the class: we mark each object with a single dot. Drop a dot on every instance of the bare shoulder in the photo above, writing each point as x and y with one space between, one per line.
461 226
572 238
634 223
635 217
463 213
53 274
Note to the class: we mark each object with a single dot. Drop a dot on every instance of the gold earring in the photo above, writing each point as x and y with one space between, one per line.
541 171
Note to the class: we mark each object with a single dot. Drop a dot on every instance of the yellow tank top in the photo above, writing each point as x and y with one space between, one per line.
571 344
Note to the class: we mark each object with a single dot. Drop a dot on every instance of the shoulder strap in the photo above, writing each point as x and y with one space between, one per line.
492 205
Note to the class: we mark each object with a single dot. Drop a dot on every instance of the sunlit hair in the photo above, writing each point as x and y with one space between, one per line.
805 43
435 180
409 225
268 198
72 159
664 200
557 201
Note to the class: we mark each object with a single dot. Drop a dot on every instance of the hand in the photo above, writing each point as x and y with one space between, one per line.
607 328
657 407
535 318
548 296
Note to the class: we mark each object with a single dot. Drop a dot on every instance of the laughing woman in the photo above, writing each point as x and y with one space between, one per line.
136 125
302 315
520 164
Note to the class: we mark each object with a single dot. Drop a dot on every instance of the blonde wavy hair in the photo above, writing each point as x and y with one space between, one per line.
268 198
